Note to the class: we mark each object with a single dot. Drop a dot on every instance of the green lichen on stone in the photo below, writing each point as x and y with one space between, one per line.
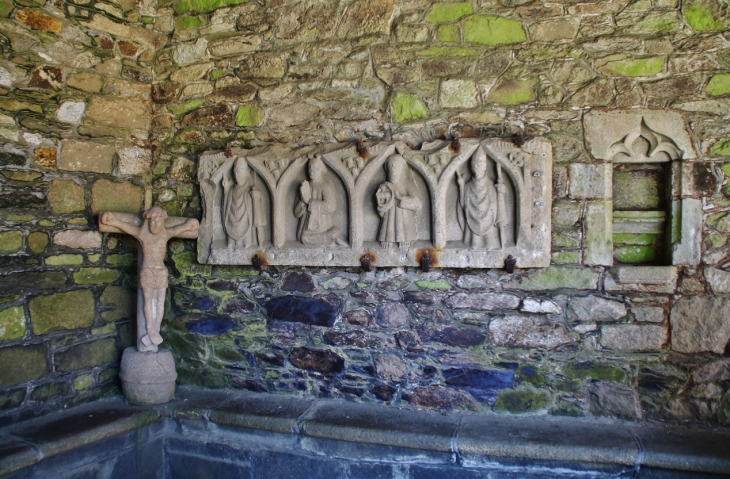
620 65
6 7
22 364
492 30
7 299
147 20
720 222
513 92
47 223
187 264
64 259
189 21
566 257
121 299
567 408
78 222
65 196
22 175
218 73
49 391
87 355
593 370
11 399
719 85
722 148
94 258
517 401
715 241
634 239
126 259
448 52
556 277
71 310
448 12
449 34
104 330
108 375
202 6
657 24
95 276
438 285
83 382
11 241
635 254
19 217
181 108
704 16
12 323
250 115
407 107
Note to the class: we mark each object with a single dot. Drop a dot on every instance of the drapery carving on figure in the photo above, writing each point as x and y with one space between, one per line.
398 204
481 208
208 193
317 202
243 216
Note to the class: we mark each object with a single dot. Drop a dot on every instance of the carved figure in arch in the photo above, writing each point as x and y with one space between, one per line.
439 161
317 202
398 204
354 164
243 215
276 167
481 208
208 192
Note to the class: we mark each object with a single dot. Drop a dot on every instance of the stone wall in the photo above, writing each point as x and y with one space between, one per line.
132 94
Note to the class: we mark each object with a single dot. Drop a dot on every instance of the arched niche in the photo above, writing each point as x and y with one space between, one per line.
413 181
305 227
506 208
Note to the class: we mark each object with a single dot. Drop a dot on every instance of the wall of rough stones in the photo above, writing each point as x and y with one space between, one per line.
108 105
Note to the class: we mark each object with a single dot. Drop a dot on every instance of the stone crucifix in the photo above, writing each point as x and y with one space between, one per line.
152 230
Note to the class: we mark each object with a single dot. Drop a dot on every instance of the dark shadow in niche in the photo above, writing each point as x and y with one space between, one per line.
295 309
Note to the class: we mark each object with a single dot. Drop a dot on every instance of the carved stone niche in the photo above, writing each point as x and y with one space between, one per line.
327 205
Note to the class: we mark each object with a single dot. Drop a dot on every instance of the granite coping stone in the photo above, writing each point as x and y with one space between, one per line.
538 438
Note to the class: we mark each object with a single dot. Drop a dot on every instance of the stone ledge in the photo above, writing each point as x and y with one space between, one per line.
475 438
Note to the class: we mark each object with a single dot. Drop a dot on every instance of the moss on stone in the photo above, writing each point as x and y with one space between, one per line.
635 254
49 391
719 85
22 364
7 299
449 34
19 217
187 264
47 223
722 148
83 382
64 259
78 222
189 21
65 196
202 6
513 92
112 196
704 16
126 259
95 276
556 277
620 65
250 116
448 12
11 399
12 323
448 52
438 285
87 355
37 241
658 24
493 30
71 310
593 370
121 299
407 107
517 401
566 257
22 175
634 239
11 241
182 108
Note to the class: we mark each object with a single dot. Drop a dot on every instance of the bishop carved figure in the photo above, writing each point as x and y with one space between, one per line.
481 209
398 204
152 234
243 216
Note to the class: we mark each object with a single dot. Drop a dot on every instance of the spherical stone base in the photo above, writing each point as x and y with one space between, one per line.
147 377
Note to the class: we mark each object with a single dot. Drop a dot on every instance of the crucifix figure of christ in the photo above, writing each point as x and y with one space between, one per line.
152 230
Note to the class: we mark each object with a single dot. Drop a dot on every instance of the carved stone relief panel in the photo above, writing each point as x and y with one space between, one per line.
327 205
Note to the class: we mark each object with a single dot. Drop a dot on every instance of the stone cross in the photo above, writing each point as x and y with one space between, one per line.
153 229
